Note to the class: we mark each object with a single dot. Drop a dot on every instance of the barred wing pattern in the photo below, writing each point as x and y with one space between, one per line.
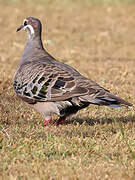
36 81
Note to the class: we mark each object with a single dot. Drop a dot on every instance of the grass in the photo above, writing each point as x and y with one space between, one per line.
99 143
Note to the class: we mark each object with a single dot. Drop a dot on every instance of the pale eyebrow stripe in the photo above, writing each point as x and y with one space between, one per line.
25 20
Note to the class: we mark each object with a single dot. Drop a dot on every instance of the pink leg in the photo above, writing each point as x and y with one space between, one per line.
60 120
47 121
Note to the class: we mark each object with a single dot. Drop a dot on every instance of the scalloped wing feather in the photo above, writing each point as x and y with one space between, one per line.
46 82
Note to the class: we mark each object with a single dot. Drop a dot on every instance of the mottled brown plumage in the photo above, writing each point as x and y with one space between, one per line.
52 87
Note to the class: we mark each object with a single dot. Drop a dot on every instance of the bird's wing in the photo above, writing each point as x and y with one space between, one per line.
36 81
46 81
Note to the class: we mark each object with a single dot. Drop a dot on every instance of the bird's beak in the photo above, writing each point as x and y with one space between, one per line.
21 27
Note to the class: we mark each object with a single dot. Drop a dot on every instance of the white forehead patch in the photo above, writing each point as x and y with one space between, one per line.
25 20
30 28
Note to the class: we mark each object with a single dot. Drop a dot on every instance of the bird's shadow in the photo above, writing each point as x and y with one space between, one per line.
104 120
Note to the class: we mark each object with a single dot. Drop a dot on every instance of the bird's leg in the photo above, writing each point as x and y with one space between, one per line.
60 120
46 121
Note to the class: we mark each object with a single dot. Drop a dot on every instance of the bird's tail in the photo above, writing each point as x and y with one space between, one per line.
105 99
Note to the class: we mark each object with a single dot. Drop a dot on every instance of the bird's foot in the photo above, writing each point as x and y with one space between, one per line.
46 122
60 120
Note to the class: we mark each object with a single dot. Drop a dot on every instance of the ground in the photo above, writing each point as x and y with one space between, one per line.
98 39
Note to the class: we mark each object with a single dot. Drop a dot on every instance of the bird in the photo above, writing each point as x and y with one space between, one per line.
52 87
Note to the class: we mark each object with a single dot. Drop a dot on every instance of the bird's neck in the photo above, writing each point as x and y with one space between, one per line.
33 48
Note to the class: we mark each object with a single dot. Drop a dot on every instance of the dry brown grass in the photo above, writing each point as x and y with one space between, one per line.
99 143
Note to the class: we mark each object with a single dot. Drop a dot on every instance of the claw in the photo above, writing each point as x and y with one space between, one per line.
47 121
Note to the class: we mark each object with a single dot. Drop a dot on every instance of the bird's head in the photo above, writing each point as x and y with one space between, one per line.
32 26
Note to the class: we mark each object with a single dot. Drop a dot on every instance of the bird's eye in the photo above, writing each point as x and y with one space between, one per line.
25 23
